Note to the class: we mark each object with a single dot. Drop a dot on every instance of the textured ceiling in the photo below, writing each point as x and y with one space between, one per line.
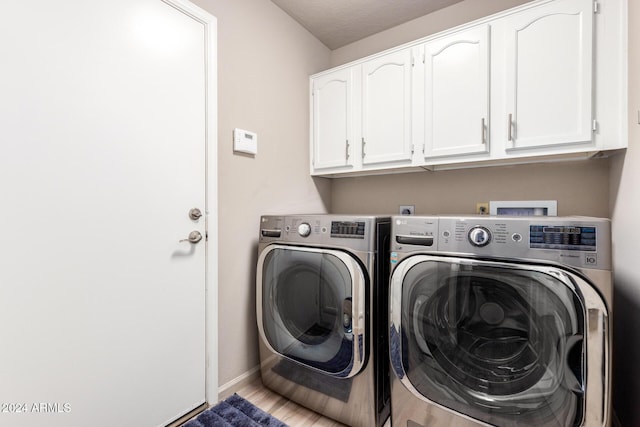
339 22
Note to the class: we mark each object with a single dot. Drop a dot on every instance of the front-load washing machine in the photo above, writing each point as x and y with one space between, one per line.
322 313
500 321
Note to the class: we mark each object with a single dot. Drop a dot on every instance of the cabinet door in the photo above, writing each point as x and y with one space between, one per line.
386 108
457 94
331 117
549 75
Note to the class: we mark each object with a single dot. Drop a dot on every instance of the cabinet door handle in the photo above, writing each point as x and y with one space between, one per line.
510 128
346 151
483 134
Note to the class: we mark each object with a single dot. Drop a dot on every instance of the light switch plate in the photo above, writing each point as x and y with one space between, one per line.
245 141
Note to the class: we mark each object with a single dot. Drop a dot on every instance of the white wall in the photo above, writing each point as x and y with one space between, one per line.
264 62
625 213
458 191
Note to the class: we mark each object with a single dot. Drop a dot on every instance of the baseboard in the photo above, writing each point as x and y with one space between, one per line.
239 382
186 417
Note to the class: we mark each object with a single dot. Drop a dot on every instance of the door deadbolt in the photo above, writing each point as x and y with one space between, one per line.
194 237
195 213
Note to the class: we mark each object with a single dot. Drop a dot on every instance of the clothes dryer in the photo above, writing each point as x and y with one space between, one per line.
322 312
500 321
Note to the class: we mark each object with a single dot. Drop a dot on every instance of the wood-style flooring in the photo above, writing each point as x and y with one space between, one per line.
283 409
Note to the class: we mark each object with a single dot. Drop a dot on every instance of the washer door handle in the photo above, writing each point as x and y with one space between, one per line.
347 315
598 336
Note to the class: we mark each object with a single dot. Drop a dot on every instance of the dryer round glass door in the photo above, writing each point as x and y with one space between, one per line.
312 307
502 343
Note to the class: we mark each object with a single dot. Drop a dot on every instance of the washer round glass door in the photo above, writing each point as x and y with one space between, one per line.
312 307
500 342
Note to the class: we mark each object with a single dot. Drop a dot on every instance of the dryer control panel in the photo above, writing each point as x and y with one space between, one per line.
348 231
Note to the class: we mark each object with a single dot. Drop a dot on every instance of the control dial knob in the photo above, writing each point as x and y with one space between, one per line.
479 236
304 229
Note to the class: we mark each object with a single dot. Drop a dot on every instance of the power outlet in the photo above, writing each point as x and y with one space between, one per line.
482 208
407 209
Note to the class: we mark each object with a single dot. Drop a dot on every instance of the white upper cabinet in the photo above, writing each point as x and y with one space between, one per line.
332 120
548 75
386 108
456 88
546 80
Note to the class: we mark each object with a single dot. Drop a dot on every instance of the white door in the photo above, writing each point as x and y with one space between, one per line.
457 93
386 108
102 155
549 75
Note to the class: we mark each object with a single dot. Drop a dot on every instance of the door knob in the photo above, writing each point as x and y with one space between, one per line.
195 213
194 237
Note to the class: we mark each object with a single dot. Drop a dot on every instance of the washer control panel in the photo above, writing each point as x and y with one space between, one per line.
304 229
576 241
479 236
491 234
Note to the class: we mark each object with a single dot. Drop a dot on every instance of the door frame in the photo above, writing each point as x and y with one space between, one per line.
211 188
